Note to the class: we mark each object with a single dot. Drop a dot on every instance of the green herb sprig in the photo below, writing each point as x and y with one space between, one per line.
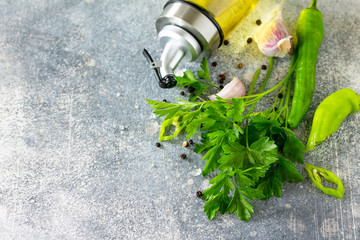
251 153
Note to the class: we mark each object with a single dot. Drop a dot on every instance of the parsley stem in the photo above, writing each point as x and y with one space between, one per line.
247 133
271 61
235 183
263 85
275 87
211 85
291 70
282 99
201 99
255 78
288 94
287 102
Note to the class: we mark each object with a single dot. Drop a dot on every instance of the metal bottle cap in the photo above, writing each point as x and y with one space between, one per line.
186 32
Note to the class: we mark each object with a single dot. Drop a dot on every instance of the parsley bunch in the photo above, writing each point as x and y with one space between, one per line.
251 153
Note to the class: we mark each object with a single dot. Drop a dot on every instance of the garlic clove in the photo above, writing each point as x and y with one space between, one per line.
233 89
273 38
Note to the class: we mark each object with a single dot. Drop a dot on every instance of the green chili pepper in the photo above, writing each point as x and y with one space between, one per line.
309 32
314 173
330 113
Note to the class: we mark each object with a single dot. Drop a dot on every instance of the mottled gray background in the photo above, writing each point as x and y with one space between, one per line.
77 154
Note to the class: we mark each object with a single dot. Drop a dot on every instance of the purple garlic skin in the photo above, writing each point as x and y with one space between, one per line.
273 38
233 89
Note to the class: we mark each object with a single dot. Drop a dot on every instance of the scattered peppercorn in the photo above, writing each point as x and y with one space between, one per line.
183 156
185 144
249 40
240 65
199 194
263 67
191 141
214 64
182 93
226 42
280 95
191 89
275 108
221 81
157 144
258 22
221 86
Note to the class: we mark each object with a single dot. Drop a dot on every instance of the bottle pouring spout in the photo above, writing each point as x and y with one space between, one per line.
168 81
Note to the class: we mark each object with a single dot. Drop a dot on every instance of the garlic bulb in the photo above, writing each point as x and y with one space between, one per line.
233 89
273 38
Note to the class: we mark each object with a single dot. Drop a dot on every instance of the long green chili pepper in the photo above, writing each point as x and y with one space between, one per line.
330 114
310 32
314 173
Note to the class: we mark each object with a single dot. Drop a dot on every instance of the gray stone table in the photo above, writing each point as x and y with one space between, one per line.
77 140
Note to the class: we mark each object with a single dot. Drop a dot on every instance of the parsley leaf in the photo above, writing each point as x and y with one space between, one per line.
217 195
291 146
241 206
216 139
294 149
237 156
253 163
189 80
236 113
272 183
204 72
270 186
286 170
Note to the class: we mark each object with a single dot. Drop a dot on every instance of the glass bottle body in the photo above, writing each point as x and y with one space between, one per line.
227 13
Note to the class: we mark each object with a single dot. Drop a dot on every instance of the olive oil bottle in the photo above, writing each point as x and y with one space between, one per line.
227 13
192 29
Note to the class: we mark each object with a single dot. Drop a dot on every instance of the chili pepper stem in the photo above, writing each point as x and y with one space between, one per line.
313 4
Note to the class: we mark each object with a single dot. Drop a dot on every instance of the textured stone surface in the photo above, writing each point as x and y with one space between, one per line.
77 141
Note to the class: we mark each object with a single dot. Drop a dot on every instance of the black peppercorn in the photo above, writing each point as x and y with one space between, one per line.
249 40
157 144
190 141
258 22
221 81
182 93
263 67
191 89
214 64
240 65
280 95
221 86
164 100
226 42
183 156
199 194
